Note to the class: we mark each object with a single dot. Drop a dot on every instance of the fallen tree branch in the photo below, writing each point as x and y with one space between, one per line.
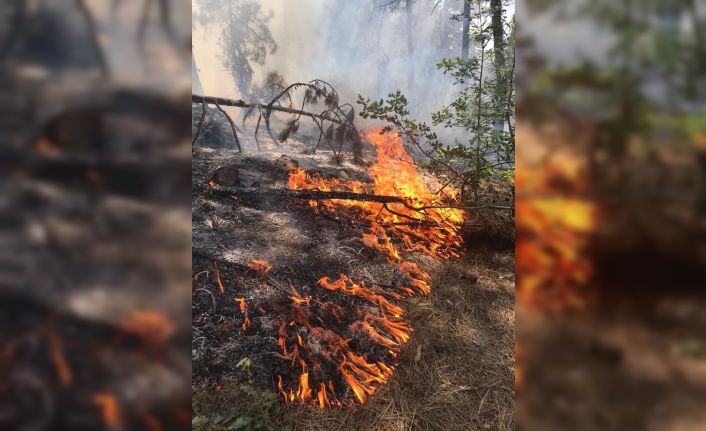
195 98
340 117
232 127
260 193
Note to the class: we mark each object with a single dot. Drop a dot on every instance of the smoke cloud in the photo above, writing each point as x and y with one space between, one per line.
359 47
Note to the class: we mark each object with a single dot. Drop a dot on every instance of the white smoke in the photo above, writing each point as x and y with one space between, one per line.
357 46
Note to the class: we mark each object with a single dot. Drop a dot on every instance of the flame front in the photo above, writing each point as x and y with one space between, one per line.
554 224
327 362
336 356
425 222
243 309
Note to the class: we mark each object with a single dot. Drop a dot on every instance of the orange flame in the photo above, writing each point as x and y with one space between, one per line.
553 226
262 267
347 286
152 326
218 277
322 397
62 367
424 223
244 309
110 409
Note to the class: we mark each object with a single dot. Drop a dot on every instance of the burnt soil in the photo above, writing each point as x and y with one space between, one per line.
456 373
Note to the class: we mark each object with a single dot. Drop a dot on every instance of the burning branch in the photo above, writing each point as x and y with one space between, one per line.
252 193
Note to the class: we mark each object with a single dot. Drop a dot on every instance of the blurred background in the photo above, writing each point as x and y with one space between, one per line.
95 218
611 215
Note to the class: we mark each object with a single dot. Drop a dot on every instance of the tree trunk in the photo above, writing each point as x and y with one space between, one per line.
410 42
496 10
466 37
196 87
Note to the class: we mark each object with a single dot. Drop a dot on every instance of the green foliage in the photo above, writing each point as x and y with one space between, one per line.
244 363
646 86
236 406
483 109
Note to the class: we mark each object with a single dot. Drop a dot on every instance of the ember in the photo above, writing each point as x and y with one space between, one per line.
243 309
262 267
152 326
110 409
62 367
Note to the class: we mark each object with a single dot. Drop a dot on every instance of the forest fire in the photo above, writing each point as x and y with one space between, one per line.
317 350
554 222
336 357
425 222
340 339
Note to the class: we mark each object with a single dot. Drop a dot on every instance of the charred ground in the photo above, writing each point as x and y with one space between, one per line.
455 373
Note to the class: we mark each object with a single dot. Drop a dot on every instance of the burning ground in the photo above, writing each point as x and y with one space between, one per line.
609 289
334 303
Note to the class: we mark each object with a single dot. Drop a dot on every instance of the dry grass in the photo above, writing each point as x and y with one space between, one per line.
463 377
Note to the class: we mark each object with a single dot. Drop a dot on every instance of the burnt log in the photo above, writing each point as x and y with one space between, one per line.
253 193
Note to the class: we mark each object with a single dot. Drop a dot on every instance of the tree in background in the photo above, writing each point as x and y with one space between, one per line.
486 94
651 81
245 39
409 25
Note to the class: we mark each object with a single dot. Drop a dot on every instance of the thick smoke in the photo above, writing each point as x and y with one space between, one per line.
360 47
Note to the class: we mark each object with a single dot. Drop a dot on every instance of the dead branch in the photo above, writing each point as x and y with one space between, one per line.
204 108
253 193
232 127
341 117
195 98
259 193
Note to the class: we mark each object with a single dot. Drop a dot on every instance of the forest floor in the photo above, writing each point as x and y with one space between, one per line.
634 363
456 372
635 356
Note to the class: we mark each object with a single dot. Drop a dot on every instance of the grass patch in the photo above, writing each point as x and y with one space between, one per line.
234 406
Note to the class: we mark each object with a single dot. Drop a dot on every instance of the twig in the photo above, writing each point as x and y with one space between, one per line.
232 127
204 107
212 297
